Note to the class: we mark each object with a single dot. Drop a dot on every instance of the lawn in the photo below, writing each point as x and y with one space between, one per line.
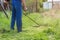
49 28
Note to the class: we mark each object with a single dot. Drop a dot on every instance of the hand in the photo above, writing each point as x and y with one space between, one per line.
25 8
6 2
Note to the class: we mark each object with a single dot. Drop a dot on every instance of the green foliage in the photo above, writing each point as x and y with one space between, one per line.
49 29
35 5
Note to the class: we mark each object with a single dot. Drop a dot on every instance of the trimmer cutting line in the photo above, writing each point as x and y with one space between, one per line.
25 14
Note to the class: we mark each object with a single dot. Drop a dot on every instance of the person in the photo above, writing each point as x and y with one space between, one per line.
17 14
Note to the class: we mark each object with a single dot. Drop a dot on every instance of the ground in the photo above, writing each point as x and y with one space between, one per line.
49 28
55 13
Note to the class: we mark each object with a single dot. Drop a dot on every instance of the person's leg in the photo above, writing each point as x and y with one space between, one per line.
19 19
13 18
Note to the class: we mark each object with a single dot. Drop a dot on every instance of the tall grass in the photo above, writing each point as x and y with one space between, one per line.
49 28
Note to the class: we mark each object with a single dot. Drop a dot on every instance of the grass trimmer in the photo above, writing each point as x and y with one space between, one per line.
25 14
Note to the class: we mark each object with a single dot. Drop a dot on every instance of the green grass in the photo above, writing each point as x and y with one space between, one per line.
49 28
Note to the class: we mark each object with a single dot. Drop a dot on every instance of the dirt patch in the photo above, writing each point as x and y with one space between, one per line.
52 13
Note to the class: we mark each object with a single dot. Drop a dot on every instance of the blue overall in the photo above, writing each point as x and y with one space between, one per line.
16 15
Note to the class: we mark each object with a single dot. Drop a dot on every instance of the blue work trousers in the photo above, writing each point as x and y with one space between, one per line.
16 15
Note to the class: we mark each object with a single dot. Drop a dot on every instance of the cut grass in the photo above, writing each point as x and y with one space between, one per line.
49 29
